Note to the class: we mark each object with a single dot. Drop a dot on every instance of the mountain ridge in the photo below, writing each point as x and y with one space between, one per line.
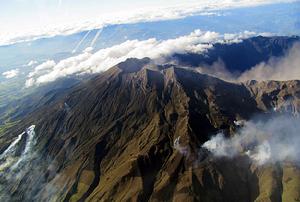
239 57
134 133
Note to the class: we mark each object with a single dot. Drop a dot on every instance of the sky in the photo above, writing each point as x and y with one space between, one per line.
31 13
29 19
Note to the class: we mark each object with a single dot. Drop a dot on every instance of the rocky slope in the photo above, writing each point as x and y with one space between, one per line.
134 133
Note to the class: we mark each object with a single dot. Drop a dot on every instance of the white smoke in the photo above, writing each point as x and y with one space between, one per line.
9 160
12 147
217 69
280 69
184 150
276 139
261 154
14 166
26 154
29 166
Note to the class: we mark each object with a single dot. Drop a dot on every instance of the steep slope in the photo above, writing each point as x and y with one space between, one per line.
134 133
36 97
276 95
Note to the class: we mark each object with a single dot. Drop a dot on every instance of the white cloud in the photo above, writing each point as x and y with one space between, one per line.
88 62
11 74
31 63
207 7
42 68
29 82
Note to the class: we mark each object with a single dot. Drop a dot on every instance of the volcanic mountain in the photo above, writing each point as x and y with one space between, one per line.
134 133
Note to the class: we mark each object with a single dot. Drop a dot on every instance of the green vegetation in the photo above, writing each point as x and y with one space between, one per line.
7 126
11 90
7 91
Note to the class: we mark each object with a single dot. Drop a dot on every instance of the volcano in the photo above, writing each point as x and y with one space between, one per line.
134 133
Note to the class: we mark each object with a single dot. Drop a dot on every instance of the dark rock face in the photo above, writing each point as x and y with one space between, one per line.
134 133
239 57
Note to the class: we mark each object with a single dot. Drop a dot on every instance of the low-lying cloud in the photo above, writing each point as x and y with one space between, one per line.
11 73
264 141
88 62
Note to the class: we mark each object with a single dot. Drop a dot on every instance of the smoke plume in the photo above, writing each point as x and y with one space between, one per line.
267 140
280 69
276 68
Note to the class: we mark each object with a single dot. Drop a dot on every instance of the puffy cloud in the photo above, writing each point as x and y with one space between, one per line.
11 74
42 68
282 68
88 62
206 7
29 82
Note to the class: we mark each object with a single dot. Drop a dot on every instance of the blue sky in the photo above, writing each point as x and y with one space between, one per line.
19 18
15 13
22 20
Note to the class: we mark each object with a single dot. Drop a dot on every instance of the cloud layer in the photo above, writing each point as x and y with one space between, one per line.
207 7
88 62
280 68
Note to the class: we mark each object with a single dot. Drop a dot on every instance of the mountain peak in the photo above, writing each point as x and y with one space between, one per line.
133 64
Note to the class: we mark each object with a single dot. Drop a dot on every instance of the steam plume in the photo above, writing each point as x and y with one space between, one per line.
265 141
277 68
